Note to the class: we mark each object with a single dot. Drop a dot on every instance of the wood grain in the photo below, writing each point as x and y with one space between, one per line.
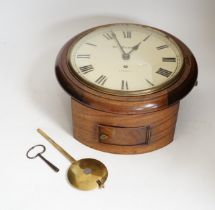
125 104
87 123
125 124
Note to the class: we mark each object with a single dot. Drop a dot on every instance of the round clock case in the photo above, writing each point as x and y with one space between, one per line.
115 122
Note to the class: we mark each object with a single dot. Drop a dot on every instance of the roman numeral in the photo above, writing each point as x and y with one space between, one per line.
127 34
86 69
149 82
147 37
101 80
162 47
108 36
83 56
169 59
91 44
164 72
124 85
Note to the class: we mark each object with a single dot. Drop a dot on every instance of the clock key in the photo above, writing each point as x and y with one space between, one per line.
39 154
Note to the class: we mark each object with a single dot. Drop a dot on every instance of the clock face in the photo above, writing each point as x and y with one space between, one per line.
126 59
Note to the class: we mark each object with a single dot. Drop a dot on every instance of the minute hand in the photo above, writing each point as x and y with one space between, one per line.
124 54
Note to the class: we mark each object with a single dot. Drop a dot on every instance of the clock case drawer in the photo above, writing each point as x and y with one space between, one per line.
124 136
125 133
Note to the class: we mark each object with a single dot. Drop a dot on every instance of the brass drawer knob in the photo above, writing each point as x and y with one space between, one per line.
103 136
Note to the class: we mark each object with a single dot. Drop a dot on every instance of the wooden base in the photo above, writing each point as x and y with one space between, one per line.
124 134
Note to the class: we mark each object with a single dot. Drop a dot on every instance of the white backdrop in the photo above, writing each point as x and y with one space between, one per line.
179 176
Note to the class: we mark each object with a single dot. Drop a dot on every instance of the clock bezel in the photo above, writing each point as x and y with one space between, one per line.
120 92
135 104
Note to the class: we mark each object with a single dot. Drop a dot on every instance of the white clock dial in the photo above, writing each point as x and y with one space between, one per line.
126 58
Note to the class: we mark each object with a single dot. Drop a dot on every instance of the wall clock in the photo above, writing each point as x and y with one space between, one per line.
126 82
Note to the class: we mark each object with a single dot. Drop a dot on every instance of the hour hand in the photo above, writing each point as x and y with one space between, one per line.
135 47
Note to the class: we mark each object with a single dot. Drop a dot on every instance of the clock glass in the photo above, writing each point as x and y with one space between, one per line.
126 59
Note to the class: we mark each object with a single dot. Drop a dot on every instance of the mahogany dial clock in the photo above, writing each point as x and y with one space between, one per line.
126 82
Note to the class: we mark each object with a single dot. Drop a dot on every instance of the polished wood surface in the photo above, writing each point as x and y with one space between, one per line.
124 136
119 104
129 134
125 124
